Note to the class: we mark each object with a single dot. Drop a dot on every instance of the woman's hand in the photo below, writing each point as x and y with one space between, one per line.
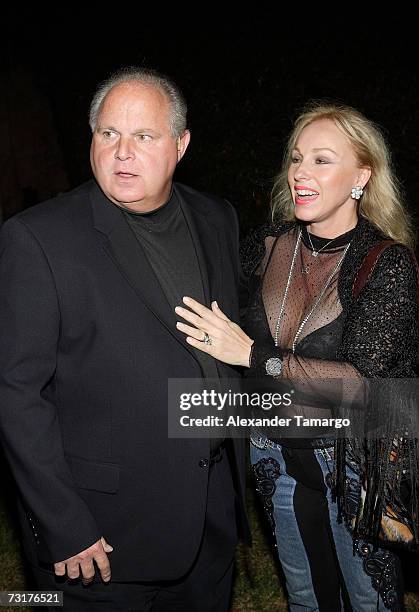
226 341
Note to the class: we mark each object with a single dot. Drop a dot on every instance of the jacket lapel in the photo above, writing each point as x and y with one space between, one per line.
127 254
207 247
129 257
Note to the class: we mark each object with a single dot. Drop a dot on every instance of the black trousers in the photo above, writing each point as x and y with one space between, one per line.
205 588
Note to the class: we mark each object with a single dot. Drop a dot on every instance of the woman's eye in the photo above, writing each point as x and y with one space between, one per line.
321 161
295 160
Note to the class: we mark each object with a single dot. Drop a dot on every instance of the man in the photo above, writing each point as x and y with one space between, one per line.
88 286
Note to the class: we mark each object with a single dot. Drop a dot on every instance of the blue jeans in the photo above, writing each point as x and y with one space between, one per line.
318 555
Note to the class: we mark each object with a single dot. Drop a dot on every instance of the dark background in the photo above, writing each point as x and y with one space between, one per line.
245 80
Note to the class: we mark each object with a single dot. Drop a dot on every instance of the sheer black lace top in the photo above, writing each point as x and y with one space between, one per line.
372 336
321 336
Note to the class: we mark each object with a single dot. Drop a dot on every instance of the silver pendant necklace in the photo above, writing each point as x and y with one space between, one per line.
306 268
315 253
318 299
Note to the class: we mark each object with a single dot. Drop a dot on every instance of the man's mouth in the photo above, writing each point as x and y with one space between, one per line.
125 174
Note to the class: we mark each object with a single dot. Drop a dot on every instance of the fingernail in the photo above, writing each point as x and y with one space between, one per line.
215 302
186 299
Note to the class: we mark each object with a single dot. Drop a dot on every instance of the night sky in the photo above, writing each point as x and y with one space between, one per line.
245 80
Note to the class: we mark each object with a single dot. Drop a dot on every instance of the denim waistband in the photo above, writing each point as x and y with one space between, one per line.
262 442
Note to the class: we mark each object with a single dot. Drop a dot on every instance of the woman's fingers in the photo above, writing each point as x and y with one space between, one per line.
217 311
197 307
208 322
204 312
211 322
199 334
189 316
215 316
205 348
227 341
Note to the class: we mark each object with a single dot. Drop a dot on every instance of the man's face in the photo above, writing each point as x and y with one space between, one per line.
133 152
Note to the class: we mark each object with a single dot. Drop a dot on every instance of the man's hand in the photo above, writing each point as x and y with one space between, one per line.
84 562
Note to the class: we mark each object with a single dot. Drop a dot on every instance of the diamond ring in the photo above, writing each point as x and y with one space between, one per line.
207 339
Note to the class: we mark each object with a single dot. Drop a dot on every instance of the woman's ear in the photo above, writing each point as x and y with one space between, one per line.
363 176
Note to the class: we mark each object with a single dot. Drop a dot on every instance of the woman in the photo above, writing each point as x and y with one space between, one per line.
336 198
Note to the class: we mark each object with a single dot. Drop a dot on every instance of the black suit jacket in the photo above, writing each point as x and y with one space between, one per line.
88 341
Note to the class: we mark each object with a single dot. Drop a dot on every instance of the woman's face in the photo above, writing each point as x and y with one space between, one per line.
322 173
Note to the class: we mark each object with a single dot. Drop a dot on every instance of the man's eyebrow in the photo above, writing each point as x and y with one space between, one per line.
107 127
145 129
136 131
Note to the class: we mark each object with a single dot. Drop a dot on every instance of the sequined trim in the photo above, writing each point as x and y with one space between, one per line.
267 471
380 565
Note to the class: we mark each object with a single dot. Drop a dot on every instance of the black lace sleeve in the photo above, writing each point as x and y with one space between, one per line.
252 249
381 330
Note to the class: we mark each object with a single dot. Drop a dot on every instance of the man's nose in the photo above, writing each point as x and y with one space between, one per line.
124 149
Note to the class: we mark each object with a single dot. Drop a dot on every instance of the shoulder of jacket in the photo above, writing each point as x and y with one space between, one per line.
201 197
55 208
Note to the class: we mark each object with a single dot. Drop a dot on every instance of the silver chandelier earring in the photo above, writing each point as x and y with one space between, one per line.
356 192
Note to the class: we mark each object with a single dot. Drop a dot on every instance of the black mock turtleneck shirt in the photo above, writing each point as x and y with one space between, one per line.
167 242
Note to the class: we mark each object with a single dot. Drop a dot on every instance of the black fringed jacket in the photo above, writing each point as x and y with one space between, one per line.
380 327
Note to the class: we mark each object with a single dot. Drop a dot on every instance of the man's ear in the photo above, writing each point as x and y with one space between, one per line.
182 143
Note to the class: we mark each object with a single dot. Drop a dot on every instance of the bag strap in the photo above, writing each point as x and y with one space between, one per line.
369 263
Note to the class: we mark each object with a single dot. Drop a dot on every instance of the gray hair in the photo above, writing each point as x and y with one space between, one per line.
145 76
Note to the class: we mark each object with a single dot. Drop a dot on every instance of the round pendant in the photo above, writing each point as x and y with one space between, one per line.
273 366
314 253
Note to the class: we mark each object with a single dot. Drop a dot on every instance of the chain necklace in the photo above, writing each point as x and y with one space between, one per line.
284 299
315 253
306 268
317 301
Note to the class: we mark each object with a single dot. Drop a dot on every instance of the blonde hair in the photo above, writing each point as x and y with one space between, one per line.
381 202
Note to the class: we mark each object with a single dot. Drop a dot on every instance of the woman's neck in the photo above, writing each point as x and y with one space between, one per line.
331 230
